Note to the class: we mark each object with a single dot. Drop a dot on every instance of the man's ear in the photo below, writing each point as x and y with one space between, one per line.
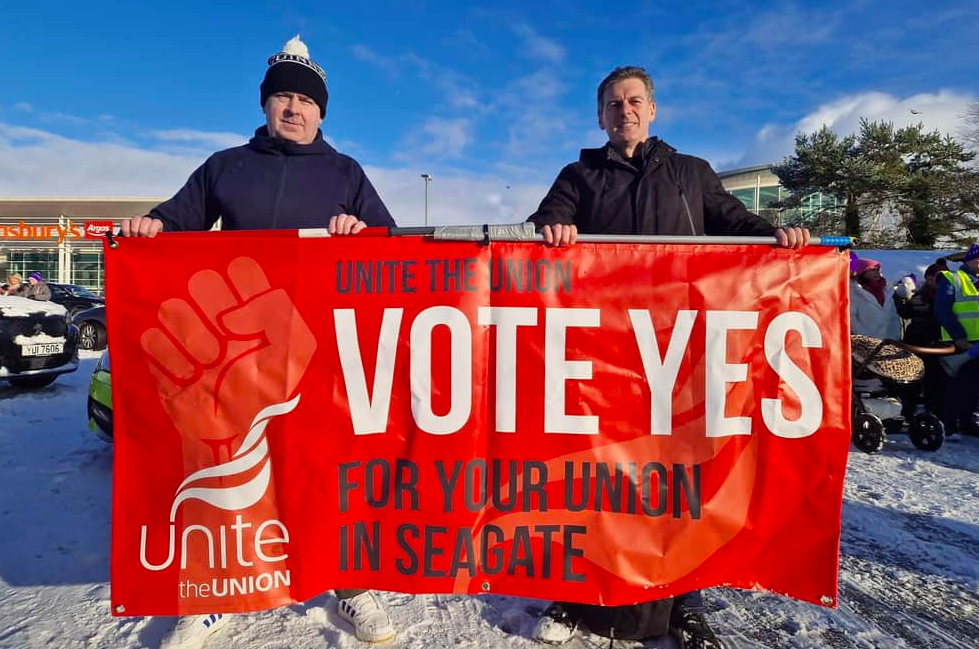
601 124
652 112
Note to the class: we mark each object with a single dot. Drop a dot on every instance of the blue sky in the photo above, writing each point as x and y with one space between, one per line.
492 99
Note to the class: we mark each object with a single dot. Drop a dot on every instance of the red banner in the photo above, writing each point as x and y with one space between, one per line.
608 423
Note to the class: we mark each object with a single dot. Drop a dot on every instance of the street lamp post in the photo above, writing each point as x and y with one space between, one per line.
427 178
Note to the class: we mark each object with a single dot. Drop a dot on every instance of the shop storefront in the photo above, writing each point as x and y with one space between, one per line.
49 236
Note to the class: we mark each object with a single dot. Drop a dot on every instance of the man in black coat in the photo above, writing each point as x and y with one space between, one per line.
287 177
637 184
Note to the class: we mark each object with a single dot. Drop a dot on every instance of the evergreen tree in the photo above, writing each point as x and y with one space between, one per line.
935 195
923 179
824 162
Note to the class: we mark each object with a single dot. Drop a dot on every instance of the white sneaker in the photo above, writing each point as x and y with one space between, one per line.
192 631
370 620
554 626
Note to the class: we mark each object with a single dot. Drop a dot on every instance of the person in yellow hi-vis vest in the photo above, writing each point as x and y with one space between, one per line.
957 309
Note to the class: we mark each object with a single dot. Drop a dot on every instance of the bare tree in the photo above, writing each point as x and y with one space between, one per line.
970 130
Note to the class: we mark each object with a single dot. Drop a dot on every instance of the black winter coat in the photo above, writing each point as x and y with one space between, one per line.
271 183
670 193
924 327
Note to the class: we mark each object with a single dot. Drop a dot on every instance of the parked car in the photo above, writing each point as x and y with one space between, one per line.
100 400
75 298
37 342
91 328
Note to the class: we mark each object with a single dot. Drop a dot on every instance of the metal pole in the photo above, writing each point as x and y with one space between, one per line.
427 178
527 232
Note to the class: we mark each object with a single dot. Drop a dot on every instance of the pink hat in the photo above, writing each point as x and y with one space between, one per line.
866 264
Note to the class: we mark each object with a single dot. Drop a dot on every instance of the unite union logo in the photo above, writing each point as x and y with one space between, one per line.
226 546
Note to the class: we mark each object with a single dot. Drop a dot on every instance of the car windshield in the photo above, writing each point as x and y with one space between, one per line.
80 291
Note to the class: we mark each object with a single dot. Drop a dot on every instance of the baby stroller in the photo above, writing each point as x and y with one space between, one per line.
877 410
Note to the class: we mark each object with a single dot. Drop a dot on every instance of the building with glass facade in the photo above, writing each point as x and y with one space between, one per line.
47 236
758 188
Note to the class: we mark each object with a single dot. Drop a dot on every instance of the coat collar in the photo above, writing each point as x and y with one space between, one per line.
266 144
653 151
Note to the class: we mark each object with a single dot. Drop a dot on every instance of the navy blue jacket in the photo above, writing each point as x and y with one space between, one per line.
271 183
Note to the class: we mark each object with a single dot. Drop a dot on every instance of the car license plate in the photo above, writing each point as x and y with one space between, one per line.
42 349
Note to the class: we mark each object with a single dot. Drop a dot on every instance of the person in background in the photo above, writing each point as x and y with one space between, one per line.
15 285
919 308
637 184
924 329
37 288
287 176
872 312
957 309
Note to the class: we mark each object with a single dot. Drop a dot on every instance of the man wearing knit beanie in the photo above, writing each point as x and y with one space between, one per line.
293 94
286 177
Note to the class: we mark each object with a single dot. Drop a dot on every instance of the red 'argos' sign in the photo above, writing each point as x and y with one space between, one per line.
97 229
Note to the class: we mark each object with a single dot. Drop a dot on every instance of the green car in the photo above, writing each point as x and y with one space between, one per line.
100 400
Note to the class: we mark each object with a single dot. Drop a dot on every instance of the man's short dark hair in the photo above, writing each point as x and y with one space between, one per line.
626 72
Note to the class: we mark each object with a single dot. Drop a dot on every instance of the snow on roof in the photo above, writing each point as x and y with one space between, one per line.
21 307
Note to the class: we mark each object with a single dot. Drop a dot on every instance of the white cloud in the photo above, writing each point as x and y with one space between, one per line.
942 111
39 163
23 106
438 138
454 199
368 55
207 139
459 90
449 136
538 86
539 47
64 118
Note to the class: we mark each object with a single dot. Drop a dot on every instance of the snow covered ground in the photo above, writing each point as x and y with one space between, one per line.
909 566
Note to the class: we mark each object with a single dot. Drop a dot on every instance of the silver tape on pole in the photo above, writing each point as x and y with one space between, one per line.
526 231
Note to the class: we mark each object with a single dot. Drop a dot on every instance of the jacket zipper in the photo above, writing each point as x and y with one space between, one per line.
683 197
278 196
686 207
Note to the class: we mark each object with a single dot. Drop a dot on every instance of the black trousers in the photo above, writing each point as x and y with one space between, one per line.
961 395
693 600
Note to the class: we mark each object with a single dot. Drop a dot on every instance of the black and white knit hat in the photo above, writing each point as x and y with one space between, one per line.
291 70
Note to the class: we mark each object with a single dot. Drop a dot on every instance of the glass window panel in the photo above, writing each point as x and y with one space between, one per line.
767 196
26 262
88 269
746 196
